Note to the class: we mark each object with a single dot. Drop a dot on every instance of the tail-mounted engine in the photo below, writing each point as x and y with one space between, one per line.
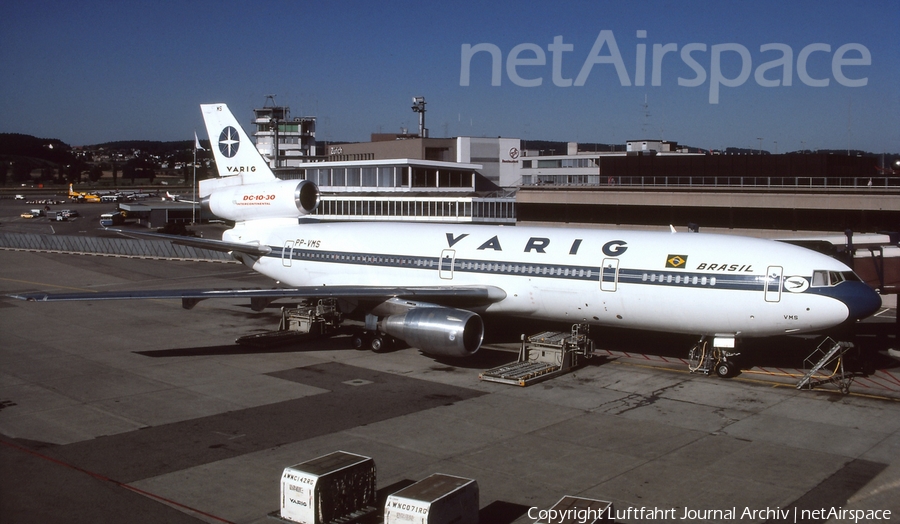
437 331
275 199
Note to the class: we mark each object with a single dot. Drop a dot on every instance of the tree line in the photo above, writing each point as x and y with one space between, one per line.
29 159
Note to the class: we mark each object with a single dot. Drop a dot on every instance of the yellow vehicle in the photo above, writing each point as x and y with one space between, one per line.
82 197
34 213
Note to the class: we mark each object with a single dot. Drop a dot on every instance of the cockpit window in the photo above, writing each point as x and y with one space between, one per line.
822 278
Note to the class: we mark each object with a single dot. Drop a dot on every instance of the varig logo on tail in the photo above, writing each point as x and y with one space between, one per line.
229 142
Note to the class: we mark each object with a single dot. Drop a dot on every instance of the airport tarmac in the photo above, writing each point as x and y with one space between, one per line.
140 411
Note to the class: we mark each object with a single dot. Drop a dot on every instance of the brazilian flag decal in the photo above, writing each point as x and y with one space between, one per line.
676 261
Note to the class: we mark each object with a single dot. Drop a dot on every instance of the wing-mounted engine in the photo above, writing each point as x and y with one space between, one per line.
273 199
437 330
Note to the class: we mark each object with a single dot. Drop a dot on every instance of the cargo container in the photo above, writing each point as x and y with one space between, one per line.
438 499
339 485
572 510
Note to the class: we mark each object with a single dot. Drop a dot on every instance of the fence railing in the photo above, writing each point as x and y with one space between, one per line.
750 182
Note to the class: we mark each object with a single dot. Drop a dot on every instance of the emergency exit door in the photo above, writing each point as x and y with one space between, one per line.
445 264
609 274
287 253
773 283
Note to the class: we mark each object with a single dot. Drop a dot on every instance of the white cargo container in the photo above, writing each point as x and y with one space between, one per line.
327 488
438 499
571 510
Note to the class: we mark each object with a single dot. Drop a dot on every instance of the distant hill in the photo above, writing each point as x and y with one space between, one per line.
14 146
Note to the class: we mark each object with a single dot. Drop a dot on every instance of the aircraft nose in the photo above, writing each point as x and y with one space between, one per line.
861 300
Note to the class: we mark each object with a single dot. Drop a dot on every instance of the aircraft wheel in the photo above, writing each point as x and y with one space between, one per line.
357 342
377 344
725 369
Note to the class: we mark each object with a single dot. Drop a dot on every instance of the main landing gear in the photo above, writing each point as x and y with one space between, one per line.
372 338
714 356
373 341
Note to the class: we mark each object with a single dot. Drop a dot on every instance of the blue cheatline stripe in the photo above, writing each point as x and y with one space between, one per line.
667 278
729 281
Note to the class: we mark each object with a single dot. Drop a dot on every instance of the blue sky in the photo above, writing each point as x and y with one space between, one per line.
94 71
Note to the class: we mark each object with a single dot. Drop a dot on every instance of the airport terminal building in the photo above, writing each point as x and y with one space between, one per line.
393 177
647 182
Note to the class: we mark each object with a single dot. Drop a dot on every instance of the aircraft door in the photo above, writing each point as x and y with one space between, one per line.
445 264
287 253
773 283
609 274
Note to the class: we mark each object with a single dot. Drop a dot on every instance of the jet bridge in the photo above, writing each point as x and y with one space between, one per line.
545 355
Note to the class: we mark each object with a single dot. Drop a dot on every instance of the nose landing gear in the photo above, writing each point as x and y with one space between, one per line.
705 358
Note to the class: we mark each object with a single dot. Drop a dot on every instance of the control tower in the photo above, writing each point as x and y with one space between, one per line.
295 137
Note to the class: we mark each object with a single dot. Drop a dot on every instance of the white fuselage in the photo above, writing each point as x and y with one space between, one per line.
674 282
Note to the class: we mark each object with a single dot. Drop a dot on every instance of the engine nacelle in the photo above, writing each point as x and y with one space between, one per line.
275 199
438 331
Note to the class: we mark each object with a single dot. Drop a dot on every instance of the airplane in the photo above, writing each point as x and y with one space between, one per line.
174 197
430 284
83 197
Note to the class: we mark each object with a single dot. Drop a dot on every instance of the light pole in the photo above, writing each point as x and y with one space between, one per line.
194 185
419 107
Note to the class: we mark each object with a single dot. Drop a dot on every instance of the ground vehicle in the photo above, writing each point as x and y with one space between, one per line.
34 213
112 219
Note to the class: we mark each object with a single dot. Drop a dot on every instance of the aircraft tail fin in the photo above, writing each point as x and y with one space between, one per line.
235 153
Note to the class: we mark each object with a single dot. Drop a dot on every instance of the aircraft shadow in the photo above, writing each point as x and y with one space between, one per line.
872 341
322 344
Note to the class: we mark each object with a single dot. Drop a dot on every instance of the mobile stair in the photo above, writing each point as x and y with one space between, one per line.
543 356
825 365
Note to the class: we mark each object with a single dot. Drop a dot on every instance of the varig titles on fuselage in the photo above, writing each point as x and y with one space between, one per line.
539 245
613 248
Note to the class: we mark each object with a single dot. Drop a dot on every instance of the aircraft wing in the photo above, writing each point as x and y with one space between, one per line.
205 243
459 296
451 296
